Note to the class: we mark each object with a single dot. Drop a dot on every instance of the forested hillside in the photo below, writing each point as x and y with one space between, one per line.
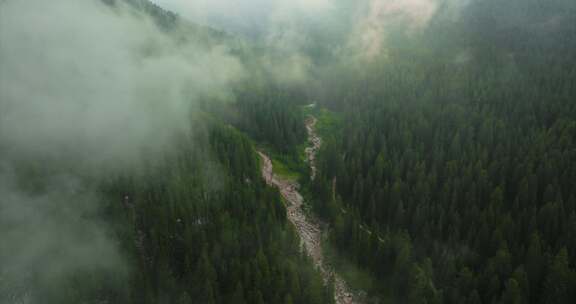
208 230
460 160
190 222
198 227
425 152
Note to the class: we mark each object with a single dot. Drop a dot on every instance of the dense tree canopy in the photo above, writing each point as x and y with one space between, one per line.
462 170
449 177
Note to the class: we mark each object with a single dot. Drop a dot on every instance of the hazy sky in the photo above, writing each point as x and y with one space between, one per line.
246 16
363 22
243 9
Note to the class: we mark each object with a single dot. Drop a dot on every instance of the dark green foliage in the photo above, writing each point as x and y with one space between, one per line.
270 116
207 228
468 165
197 226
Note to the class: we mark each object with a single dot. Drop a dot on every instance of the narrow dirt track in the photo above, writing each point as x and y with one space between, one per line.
309 230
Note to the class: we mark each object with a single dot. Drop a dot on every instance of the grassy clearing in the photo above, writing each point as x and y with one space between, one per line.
308 110
285 166
329 123
284 171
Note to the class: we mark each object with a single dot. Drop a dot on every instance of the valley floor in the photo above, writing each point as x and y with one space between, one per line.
309 230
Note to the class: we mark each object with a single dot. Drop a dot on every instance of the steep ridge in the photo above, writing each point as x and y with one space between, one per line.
309 230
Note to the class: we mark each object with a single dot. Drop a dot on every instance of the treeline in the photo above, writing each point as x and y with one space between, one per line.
181 30
454 177
208 230
199 226
264 107
271 115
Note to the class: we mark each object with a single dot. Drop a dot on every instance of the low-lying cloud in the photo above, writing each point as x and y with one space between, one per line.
93 87
82 81
380 17
286 24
